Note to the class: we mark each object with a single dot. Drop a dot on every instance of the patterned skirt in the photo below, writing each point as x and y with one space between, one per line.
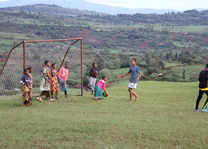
54 85
25 92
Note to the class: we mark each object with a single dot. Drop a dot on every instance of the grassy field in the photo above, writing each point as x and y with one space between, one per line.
192 71
163 118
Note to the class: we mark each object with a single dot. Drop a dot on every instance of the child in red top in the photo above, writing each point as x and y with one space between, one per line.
100 89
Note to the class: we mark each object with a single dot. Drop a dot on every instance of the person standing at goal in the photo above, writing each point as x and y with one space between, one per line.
135 76
93 74
45 86
26 82
63 75
54 81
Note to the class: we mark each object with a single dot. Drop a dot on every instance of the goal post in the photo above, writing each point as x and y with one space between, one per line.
33 53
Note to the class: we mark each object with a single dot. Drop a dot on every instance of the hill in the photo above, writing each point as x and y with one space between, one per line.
85 5
114 39
49 9
189 17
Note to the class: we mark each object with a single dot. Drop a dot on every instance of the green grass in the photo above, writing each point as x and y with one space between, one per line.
13 35
172 64
192 71
163 118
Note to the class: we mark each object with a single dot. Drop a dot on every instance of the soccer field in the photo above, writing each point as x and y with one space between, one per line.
163 118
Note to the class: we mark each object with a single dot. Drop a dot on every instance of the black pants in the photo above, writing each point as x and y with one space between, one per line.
201 93
65 92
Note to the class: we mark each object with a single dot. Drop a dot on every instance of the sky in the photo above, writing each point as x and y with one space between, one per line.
157 4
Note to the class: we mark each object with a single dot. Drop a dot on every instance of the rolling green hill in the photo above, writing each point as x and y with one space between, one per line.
155 42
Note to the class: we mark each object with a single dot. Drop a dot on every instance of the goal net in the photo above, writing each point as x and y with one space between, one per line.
33 53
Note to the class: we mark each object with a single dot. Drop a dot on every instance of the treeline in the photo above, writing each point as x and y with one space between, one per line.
191 17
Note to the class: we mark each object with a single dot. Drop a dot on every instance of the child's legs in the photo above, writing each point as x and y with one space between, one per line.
48 95
90 84
30 95
93 83
25 93
130 93
65 92
199 99
45 93
136 96
25 96
30 92
206 103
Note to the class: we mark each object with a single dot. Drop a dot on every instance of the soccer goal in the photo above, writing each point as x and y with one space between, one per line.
33 53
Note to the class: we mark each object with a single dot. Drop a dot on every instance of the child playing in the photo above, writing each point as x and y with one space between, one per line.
100 89
26 82
93 74
63 75
54 81
31 86
45 85
135 76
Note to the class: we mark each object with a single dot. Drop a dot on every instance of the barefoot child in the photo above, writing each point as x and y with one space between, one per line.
26 82
45 85
135 75
93 74
100 89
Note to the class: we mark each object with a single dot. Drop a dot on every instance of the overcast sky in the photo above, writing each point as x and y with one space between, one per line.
161 4
158 4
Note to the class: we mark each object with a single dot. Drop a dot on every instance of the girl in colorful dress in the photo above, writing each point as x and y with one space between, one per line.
45 85
100 89
31 86
54 81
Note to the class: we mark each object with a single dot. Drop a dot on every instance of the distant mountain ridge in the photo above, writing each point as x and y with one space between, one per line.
189 17
50 9
84 5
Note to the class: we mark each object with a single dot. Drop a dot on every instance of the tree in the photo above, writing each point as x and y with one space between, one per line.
176 56
184 73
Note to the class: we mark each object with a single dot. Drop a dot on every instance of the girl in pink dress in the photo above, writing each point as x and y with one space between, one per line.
100 89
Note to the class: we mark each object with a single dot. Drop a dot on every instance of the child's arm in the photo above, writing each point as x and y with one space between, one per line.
139 76
22 80
67 75
124 75
105 92
59 73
